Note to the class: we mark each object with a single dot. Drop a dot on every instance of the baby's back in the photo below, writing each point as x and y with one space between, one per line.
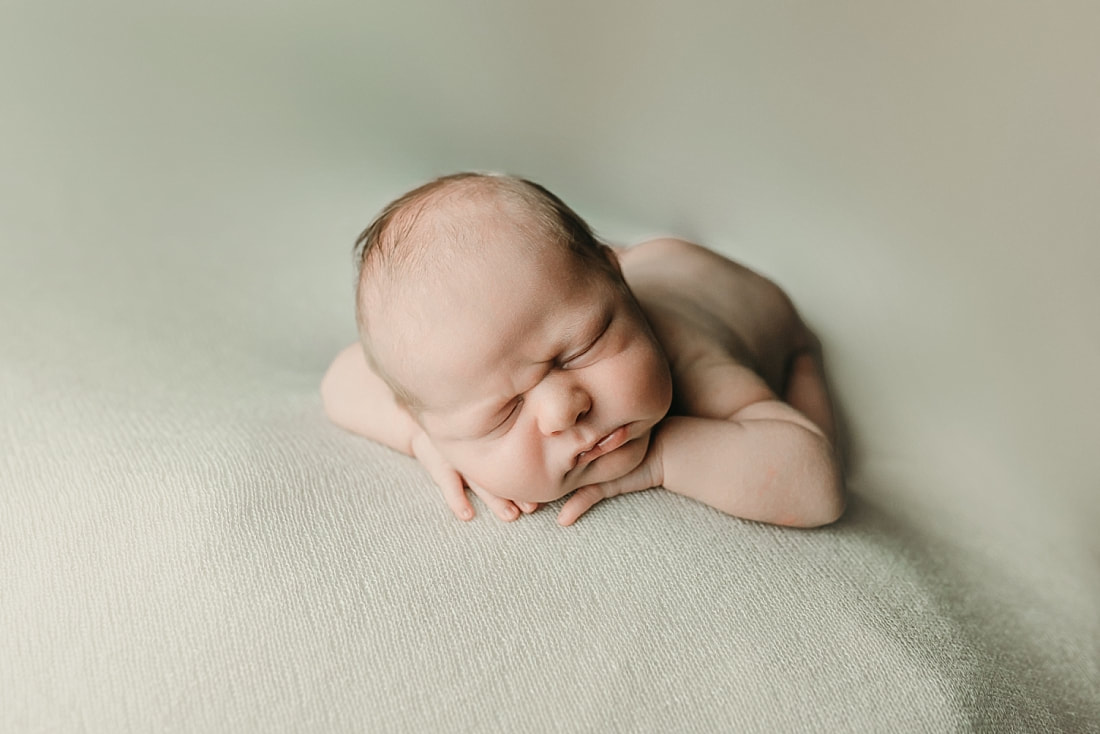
707 309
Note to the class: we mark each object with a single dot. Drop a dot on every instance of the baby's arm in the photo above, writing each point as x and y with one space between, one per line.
358 400
766 461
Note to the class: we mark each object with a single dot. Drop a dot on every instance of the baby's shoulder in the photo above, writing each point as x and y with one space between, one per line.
679 265
703 305
675 257
662 249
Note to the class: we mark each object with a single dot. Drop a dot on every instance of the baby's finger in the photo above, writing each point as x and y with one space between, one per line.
580 503
454 489
526 507
502 508
456 499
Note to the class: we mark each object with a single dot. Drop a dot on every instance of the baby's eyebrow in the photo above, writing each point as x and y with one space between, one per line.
585 331
584 337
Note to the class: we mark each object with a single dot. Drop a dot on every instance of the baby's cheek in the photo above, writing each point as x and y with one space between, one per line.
526 483
529 484
513 467
496 472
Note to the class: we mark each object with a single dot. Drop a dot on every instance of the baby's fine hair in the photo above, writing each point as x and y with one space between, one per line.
552 218
394 238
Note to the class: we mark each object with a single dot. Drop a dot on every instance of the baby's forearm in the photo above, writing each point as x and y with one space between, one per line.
770 464
357 400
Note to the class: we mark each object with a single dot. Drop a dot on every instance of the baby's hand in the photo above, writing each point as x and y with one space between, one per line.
454 486
648 474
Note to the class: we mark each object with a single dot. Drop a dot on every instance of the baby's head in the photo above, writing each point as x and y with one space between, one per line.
507 330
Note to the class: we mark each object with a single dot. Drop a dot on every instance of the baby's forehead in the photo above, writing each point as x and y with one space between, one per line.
451 229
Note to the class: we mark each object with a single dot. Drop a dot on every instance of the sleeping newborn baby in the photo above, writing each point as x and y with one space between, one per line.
517 356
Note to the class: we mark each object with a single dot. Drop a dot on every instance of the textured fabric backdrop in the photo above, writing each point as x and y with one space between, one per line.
187 545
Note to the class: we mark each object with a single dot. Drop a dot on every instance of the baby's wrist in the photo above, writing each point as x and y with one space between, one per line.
655 457
418 443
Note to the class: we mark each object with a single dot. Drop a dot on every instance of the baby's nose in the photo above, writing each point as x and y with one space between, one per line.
566 405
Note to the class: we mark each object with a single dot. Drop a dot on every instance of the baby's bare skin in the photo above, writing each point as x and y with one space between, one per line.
711 314
736 349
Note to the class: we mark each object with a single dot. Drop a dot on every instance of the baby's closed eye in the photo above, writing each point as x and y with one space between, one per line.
582 358
586 354
505 418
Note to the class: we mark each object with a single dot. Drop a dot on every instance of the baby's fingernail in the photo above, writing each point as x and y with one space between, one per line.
466 513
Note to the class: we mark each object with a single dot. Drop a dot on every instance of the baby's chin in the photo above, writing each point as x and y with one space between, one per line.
618 463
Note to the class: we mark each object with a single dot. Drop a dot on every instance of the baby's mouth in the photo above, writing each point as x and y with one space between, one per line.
605 445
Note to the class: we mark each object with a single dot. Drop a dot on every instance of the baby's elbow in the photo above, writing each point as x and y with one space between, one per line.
333 399
826 499
828 511
817 492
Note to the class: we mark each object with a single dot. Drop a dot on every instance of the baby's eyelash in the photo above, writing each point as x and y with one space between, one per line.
515 409
573 358
591 345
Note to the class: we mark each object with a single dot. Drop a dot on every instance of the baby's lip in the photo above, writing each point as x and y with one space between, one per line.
603 445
